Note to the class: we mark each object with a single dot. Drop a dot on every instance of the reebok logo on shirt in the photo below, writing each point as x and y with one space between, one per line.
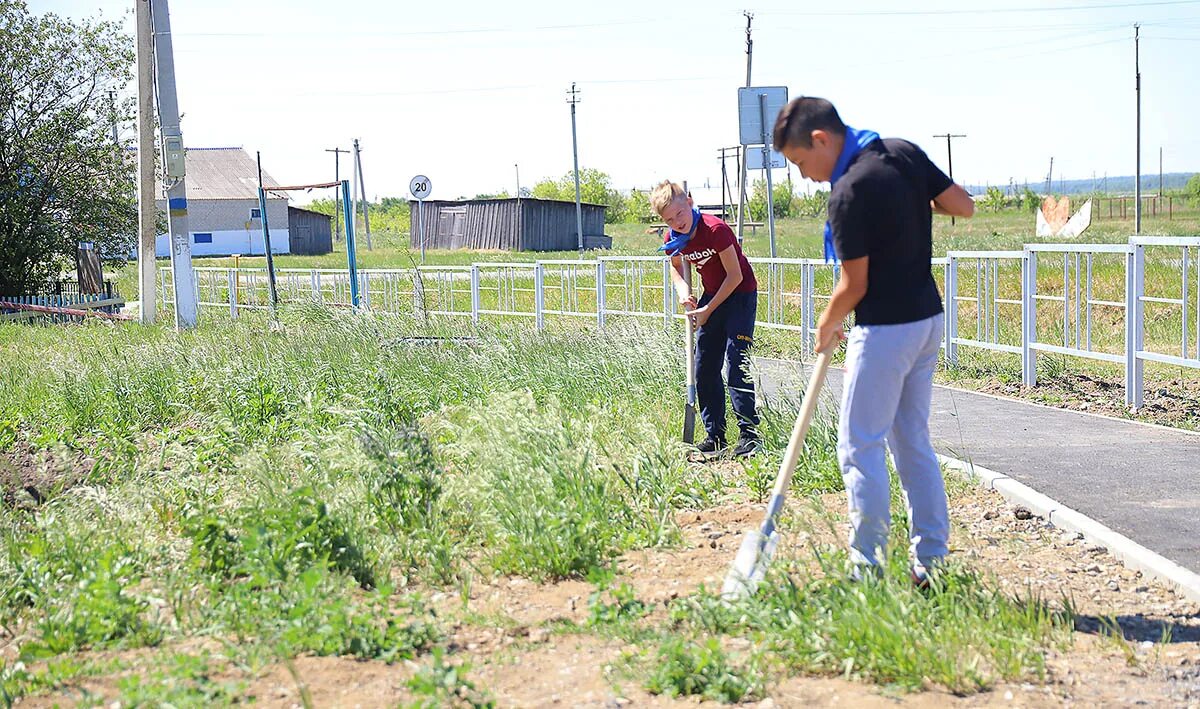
700 257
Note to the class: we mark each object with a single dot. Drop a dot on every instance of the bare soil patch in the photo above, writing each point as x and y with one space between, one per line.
526 643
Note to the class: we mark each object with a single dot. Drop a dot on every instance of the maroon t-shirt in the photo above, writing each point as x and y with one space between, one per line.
711 238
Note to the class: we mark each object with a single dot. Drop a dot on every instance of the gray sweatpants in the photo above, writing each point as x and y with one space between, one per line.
885 402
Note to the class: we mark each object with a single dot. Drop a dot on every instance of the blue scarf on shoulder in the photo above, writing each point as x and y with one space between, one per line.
856 140
679 240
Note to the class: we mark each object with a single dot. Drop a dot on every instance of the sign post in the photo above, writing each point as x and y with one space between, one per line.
757 108
420 187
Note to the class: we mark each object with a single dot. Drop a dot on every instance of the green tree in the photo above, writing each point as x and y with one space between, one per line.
782 198
993 200
63 180
1030 200
637 207
595 187
388 216
814 205
1192 188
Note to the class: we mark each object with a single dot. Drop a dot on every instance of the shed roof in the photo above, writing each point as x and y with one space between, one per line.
510 199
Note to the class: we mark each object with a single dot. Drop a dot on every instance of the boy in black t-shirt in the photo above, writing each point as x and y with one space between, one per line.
880 227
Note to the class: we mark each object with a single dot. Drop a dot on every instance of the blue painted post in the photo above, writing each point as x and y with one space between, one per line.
266 229
351 256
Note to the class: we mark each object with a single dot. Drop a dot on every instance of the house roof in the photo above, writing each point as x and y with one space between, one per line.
223 173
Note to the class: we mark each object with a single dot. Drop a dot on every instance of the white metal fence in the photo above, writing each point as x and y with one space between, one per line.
1044 298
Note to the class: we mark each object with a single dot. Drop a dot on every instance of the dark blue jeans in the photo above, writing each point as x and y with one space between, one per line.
726 337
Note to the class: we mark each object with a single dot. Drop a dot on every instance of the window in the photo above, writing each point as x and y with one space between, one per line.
202 238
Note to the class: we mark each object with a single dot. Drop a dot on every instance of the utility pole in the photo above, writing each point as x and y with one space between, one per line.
112 98
518 169
1160 173
174 169
574 99
337 193
726 189
1137 179
950 155
362 192
147 210
742 158
1050 176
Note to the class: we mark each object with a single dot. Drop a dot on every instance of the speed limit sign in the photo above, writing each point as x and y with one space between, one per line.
420 186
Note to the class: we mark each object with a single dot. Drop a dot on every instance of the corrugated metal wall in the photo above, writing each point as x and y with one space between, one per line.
550 225
504 224
309 233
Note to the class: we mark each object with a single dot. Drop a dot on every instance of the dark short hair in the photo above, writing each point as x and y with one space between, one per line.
801 117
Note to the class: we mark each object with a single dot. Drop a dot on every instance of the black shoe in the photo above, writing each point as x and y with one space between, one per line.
746 446
711 446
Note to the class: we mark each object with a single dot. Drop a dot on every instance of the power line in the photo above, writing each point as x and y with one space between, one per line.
511 87
421 33
1000 48
981 11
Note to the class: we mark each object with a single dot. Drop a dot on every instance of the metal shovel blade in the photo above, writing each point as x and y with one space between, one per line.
689 423
749 566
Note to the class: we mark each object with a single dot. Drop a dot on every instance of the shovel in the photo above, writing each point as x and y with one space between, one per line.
689 411
758 546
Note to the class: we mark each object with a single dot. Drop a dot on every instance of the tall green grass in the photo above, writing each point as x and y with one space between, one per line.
302 490
286 488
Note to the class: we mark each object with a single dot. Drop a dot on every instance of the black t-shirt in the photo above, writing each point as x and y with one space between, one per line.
880 208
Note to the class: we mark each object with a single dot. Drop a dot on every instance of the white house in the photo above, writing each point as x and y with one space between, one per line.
223 210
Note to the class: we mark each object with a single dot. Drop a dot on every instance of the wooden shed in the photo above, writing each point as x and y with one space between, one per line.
509 224
309 233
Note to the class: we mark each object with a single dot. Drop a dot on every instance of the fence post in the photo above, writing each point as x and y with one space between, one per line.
1134 314
951 310
601 297
162 289
806 305
196 288
539 295
233 294
475 293
1029 318
668 302
418 294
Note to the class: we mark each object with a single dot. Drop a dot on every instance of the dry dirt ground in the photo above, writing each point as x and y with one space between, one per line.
510 630
1167 402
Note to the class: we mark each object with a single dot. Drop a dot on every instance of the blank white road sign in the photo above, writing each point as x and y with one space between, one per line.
750 120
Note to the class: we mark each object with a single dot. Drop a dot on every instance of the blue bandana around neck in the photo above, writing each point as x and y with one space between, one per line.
856 140
679 240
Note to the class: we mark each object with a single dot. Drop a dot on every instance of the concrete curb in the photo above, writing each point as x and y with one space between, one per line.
1132 554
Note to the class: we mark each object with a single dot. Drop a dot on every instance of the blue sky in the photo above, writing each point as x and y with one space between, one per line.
463 91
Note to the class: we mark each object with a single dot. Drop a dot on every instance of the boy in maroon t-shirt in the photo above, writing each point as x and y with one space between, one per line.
724 315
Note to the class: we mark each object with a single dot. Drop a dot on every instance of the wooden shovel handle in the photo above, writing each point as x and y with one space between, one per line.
807 409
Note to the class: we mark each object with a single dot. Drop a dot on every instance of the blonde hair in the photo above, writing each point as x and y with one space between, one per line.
664 193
